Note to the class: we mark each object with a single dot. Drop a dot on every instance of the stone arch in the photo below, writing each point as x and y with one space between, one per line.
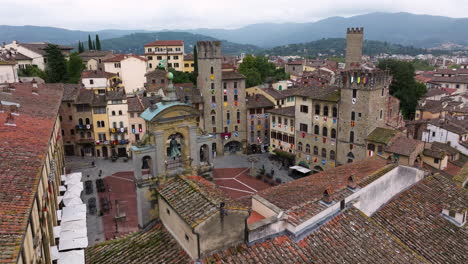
147 164
233 146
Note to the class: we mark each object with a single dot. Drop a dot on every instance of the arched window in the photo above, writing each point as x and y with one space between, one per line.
324 153
317 109
103 124
98 123
351 136
332 154
120 112
228 115
213 112
211 70
325 110
212 86
299 146
113 113
238 115
371 146
80 121
335 112
315 150
114 124
333 133
316 130
87 121
121 124
353 116
308 148
325 132
88 134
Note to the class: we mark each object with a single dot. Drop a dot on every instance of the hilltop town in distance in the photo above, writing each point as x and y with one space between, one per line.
182 153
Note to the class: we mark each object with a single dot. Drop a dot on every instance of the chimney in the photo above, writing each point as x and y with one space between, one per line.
10 119
327 199
352 184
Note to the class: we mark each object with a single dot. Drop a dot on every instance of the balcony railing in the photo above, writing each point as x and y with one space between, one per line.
118 130
119 142
84 127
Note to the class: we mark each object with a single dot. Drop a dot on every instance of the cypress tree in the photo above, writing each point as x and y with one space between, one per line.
98 43
195 60
80 47
94 45
90 44
56 68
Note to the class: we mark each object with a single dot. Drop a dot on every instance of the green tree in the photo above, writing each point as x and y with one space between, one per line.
180 77
80 47
98 43
404 86
258 70
56 68
74 68
32 71
90 43
195 61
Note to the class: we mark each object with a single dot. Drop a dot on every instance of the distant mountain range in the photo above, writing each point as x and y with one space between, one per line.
421 31
336 47
133 43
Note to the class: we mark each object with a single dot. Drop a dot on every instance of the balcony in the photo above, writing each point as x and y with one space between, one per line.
85 141
84 127
119 142
116 130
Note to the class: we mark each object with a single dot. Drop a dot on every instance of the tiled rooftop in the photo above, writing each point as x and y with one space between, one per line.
300 198
258 101
350 237
165 43
146 247
97 74
22 151
194 198
381 135
283 111
415 218
403 145
230 75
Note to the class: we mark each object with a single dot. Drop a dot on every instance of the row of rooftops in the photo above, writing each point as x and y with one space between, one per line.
409 228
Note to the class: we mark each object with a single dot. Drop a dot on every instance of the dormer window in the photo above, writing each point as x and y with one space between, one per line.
457 217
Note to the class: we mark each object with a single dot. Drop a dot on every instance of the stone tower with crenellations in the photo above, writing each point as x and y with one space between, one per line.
363 107
223 93
354 38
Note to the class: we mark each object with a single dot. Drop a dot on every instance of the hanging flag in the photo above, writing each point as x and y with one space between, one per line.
303 134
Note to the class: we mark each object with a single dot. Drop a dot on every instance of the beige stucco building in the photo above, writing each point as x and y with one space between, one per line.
165 53
130 68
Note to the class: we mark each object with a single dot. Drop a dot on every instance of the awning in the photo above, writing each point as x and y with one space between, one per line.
72 201
77 243
73 234
73 178
73 225
59 215
72 257
300 169
57 231
54 252
74 212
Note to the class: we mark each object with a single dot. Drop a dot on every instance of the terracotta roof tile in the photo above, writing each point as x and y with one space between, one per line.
284 111
415 218
403 145
146 247
258 101
22 151
350 237
230 75
194 198
97 74
165 43
121 57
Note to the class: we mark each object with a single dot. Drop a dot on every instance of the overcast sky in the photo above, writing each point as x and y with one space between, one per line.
186 14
